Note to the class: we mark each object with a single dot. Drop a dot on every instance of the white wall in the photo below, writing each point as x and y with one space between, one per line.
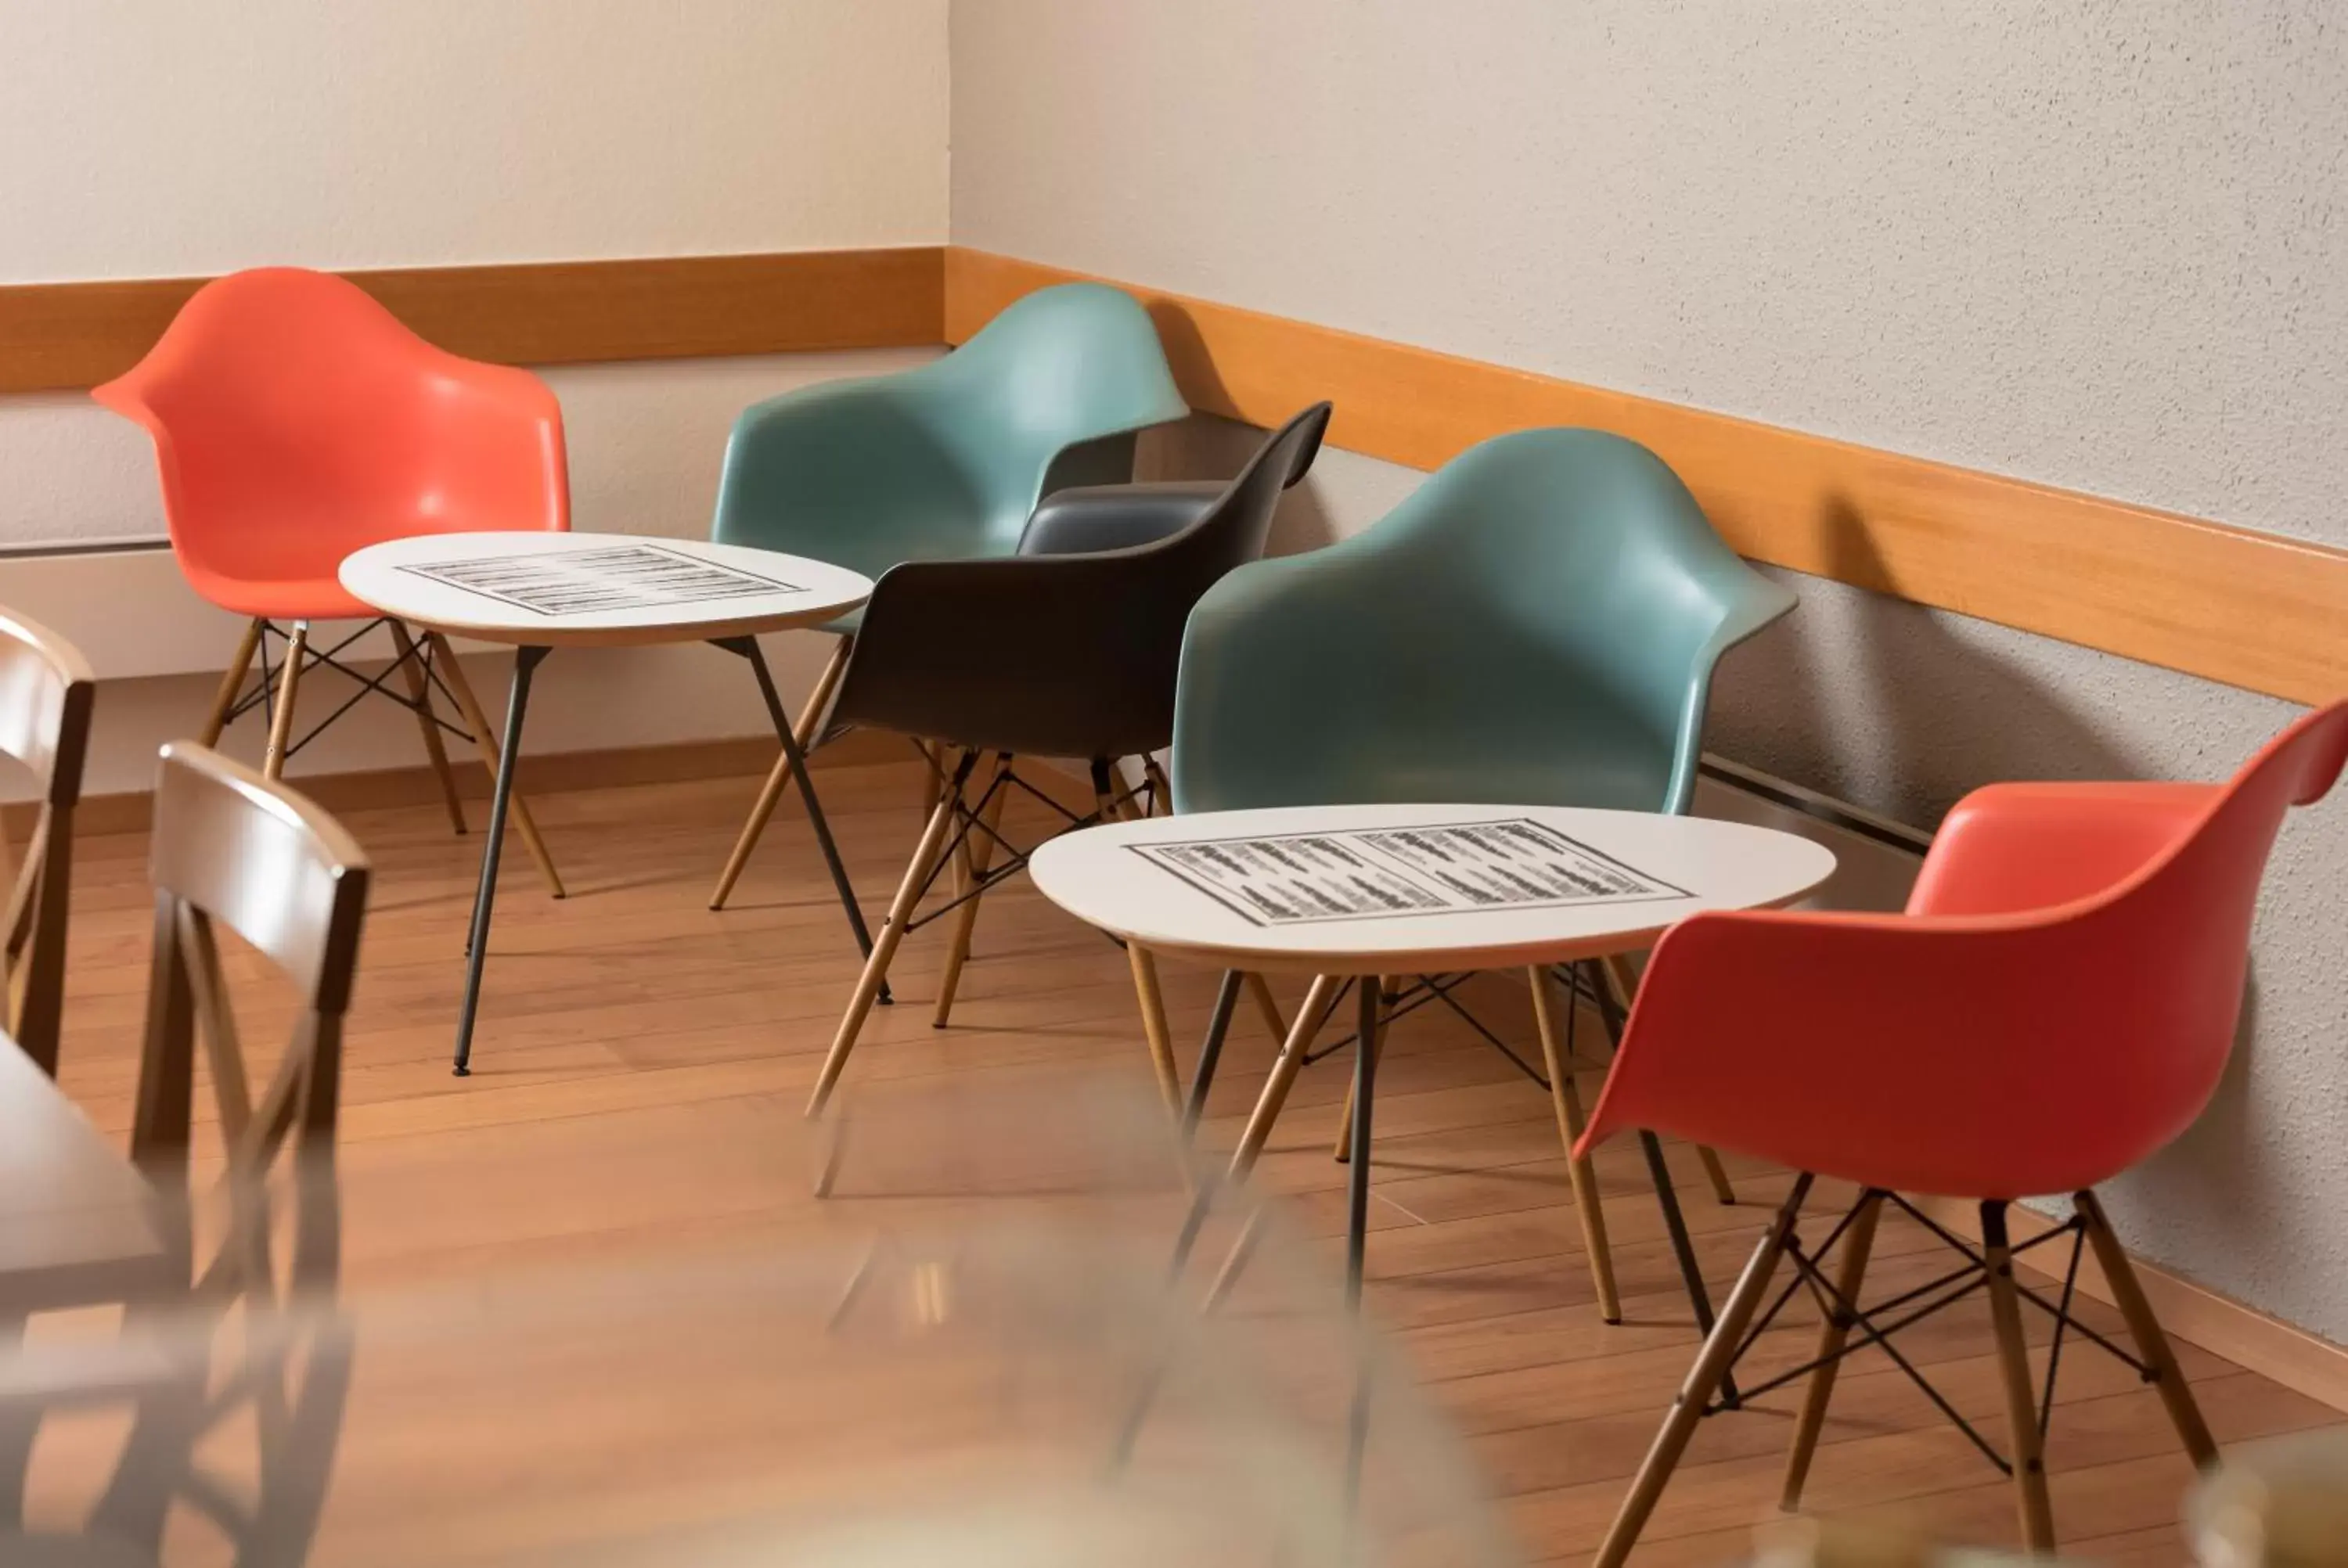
2099 247
139 139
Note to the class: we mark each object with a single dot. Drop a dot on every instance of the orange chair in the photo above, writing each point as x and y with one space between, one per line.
2055 1005
295 420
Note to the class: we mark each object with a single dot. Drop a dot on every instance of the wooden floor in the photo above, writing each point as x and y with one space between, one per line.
632 1039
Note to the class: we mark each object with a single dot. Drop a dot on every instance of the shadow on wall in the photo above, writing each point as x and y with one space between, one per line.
1204 446
1903 710
1888 705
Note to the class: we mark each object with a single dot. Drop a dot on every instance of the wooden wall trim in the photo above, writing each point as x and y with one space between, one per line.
60 336
551 773
2194 1313
2252 610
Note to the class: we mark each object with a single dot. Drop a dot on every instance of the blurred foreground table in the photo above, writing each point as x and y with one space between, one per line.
938 1365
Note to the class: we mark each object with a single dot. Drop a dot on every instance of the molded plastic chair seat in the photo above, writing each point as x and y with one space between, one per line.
1052 655
2057 1004
943 463
947 461
295 421
1535 624
294 599
1547 609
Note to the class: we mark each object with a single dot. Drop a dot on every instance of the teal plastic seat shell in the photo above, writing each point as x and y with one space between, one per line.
948 460
1537 624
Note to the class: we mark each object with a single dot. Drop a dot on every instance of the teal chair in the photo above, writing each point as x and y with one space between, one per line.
943 463
1538 624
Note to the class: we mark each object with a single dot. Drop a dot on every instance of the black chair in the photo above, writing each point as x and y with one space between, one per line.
1069 648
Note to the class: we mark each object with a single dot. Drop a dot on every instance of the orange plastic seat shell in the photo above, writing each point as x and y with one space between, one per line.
2055 1005
296 420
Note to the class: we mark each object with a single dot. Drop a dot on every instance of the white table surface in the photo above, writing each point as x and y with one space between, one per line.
1100 876
807 592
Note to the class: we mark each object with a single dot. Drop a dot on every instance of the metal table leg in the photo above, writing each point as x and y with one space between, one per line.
1210 1051
477 951
747 648
1357 1222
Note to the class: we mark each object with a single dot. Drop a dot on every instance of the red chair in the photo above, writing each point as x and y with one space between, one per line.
295 420
2055 1005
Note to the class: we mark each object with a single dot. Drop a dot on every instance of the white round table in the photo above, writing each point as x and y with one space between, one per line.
540 592
1366 891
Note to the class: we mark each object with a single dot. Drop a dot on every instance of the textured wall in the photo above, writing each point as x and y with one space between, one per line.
139 139
2101 246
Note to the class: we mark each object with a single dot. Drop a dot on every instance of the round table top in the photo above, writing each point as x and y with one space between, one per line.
1415 889
565 590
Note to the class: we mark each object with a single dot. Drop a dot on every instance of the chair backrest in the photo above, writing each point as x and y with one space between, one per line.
230 848
946 461
1538 622
1073 655
296 420
1235 530
46 692
2013 1034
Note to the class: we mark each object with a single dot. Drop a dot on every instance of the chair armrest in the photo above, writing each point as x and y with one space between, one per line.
2016 847
1090 518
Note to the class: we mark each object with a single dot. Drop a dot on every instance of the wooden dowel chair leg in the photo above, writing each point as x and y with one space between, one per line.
2151 1342
1565 1100
1146 988
971 865
1834 1333
420 692
289 681
778 777
2023 1442
1234 1263
1154 1028
232 682
932 776
1702 1380
892 932
1284 1073
468 708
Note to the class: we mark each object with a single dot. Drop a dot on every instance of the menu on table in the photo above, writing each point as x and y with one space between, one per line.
602 581
1381 873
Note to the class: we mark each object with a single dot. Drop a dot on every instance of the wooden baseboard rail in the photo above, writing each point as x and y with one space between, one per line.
2256 611
61 336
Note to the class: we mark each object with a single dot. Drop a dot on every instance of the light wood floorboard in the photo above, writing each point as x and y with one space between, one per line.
641 1064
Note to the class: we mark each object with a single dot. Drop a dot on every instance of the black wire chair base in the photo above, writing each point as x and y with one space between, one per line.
1874 1325
417 652
1428 989
971 821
